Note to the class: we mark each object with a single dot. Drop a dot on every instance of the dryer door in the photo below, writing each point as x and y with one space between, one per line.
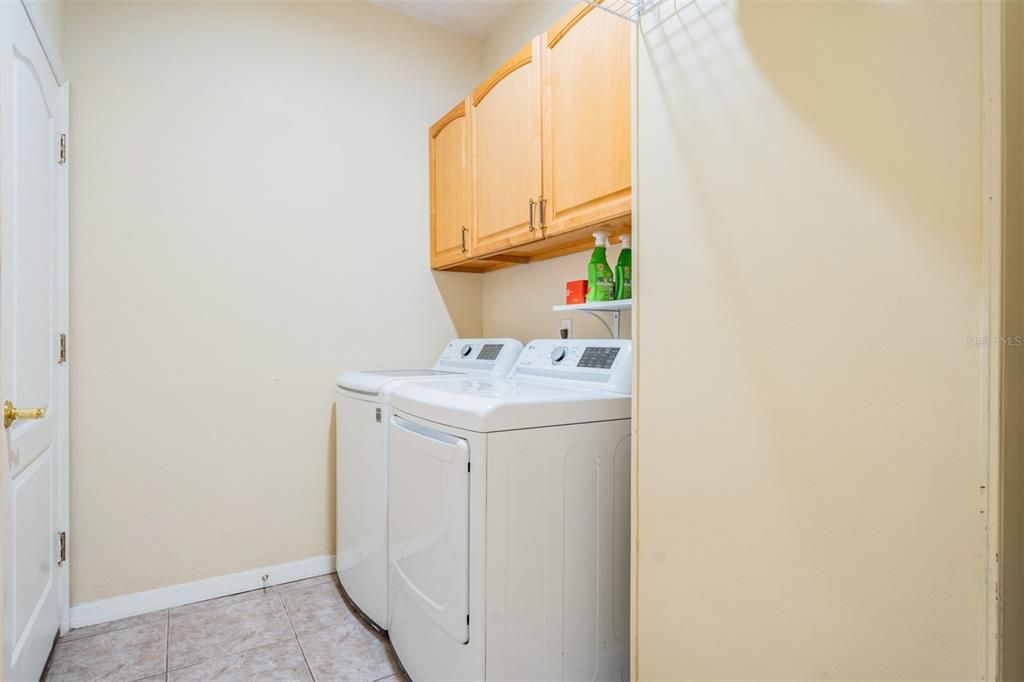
429 522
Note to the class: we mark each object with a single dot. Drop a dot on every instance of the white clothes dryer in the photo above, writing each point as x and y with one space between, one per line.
509 518
363 412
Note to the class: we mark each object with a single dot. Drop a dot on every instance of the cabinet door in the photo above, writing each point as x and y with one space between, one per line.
586 140
450 188
505 117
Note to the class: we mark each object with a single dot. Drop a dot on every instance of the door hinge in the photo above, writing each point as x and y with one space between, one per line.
378 415
63 154
62 357
62 553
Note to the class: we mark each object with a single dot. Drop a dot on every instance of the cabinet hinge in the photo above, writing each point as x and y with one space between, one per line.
62 157
62 552
378 415
62 356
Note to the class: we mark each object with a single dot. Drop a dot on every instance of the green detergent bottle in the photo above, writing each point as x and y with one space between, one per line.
624 271
600 281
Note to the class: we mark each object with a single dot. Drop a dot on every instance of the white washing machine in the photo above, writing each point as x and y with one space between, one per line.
363 413
509 519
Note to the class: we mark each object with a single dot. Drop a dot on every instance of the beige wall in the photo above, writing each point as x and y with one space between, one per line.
215 274
809 267
1012 554
55 13
518 27
249 217
517 301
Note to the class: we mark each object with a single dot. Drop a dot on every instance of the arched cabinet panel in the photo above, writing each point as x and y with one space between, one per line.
586 140
506 128
451 183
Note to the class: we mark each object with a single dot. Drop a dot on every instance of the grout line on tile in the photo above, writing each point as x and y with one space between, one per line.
305 588
295 634
140 679
62 640
215 608
233 653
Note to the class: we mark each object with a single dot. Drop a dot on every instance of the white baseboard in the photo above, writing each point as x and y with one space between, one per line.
103 610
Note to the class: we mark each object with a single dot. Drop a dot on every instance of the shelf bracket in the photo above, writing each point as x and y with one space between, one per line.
596 308
613 331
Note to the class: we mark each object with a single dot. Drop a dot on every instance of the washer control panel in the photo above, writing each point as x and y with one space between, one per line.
490 351
598 358
599 363
490 356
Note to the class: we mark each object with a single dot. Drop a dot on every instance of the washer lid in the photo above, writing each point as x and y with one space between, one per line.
488 404
371 382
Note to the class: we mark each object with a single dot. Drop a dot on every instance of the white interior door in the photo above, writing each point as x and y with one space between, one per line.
33 376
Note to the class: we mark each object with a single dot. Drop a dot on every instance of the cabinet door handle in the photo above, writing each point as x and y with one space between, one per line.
464 231
532 204
543 206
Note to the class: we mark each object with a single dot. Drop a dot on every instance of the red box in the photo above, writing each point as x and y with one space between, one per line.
576 292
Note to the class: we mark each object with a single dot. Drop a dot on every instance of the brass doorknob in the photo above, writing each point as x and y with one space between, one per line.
10 413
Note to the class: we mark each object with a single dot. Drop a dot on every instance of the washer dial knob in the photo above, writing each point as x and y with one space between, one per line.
466 350
558 354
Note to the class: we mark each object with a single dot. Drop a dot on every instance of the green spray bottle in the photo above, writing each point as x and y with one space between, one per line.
600 281
624 271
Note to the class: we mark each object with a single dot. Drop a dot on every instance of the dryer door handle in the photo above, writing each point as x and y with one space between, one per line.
427 432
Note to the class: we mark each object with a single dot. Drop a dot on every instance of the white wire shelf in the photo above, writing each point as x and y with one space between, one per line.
630 10
598 307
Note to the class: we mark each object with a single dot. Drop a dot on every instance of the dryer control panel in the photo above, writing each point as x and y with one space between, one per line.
605 364
491 356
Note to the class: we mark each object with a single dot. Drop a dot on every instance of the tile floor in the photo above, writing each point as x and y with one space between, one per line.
298 631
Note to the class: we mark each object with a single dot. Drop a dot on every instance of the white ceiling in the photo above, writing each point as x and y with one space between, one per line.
474 18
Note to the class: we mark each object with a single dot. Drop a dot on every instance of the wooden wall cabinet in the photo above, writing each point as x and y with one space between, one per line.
451 185
538 156
586 141
506 131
